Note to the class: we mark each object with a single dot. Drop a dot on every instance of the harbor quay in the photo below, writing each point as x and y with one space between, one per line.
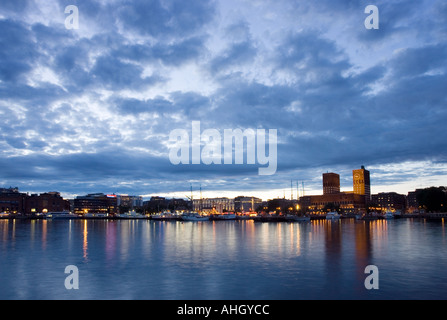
358 203
435 216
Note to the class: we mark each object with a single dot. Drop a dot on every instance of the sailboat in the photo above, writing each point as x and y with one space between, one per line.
192 215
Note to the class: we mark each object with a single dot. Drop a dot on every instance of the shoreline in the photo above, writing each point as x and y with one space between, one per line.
275 219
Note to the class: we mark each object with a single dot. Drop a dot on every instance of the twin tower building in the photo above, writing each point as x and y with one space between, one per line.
350 201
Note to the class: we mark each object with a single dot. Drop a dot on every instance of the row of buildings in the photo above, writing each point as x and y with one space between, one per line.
359 199
13 201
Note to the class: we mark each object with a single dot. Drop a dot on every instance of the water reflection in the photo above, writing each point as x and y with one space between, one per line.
85 241
221 260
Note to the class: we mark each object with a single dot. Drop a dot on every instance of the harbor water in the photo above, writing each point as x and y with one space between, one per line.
223 260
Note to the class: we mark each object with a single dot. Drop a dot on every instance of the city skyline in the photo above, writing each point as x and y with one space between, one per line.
90 106
330 184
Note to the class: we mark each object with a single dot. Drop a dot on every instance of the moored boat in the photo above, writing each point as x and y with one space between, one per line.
296 218
131 215
388 215
271 218
224 216
370 216
333 215
96 216
194 216
64 215
166 216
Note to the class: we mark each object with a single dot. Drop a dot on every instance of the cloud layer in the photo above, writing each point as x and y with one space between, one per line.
91 110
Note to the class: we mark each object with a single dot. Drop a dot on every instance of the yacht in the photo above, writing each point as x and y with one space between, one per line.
166 216
245 216
397 214
334 215
96 215
388 215
194 216
224 216
131 215
296 218
370 216
271 218
64 215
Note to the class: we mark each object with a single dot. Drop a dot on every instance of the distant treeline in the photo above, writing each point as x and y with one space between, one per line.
433 199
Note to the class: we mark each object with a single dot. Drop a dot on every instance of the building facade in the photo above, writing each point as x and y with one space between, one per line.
98 203
362 183
346 202
127 201
331 183
412 201
246 204
390 201
216 205
12 201
46 203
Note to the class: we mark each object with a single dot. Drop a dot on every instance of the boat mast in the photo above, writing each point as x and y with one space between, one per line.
291 189
192 201
201 208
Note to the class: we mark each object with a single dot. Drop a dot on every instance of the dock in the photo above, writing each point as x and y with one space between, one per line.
437 216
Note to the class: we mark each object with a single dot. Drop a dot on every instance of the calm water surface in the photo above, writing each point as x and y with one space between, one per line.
223 260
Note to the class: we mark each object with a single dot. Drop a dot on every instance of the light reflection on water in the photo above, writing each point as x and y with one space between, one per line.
222 260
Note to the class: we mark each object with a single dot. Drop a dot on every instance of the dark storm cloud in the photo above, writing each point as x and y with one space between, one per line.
14 6
22 92
190 104
165 18
241 51
82 167
252 104
171 54
193 105
135 106
413 62
236 56
344 121
112 73
18 50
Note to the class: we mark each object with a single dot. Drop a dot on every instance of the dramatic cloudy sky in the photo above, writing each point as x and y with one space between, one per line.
91 110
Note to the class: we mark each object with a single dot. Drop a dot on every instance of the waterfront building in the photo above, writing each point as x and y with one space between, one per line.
155 204
280 205
390 201
98 203
12 201
45 203
160 204
124 200
179 204
362 183
246 204
216 205
331 183
412 201
347 202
